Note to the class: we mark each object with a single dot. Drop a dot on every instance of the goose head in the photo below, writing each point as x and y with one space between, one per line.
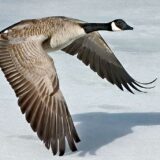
116 25
119 25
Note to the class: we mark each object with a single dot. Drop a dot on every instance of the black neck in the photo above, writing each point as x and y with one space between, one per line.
91 27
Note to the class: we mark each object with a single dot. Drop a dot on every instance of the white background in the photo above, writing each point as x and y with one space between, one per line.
112 124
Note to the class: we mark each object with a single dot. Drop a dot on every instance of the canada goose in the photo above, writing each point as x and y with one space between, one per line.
32 74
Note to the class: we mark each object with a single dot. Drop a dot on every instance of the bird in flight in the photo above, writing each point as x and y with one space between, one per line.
32 74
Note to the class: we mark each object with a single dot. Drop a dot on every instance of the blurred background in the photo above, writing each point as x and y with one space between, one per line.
112 124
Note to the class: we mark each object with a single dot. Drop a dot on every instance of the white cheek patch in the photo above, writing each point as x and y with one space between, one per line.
114 27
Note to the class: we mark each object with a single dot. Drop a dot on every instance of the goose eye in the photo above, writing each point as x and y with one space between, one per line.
119 23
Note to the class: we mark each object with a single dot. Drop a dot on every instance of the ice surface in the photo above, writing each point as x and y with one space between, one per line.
112 125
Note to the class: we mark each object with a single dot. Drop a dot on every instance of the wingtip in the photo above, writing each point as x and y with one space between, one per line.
148 82
61 153
142 85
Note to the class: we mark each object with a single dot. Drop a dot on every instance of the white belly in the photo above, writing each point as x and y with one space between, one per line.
65 37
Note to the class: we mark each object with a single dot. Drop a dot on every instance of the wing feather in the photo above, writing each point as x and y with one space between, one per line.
92 50
32 75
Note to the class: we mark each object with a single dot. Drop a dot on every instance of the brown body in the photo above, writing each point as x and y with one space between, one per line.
58 31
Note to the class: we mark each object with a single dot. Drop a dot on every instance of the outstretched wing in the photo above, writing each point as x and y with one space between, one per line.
94 51
32 75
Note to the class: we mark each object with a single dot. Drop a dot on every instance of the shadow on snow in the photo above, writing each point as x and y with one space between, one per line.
97 129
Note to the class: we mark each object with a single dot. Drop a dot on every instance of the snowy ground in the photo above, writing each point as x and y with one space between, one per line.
112 125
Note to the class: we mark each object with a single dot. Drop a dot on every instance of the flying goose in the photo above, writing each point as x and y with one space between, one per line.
32 74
